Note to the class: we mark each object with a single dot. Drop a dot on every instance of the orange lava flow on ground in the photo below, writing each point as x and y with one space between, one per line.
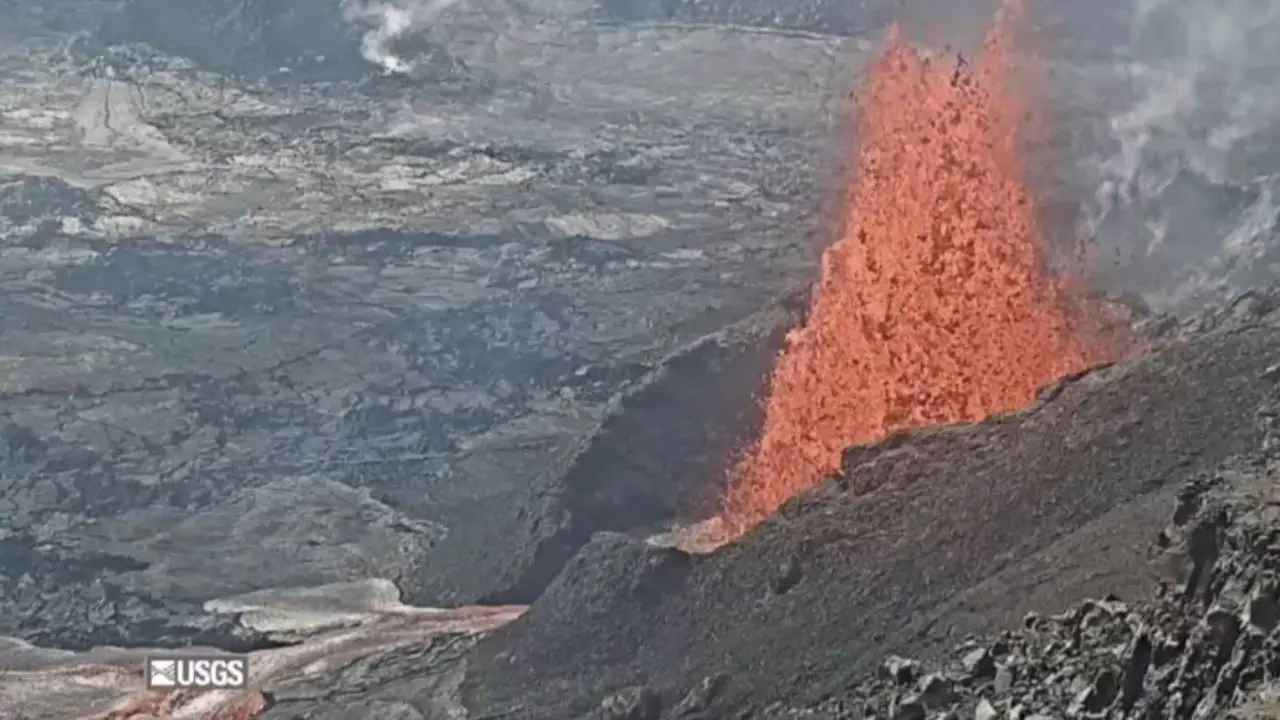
935 306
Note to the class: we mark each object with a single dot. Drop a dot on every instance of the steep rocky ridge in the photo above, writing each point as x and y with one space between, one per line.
867 563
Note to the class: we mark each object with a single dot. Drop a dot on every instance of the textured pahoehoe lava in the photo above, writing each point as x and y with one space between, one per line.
936 304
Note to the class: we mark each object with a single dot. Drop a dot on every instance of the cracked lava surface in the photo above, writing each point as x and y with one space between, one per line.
935 304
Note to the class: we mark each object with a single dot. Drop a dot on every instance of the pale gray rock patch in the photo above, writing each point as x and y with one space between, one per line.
44 684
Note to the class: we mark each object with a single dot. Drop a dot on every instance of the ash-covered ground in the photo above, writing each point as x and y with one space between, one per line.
291 300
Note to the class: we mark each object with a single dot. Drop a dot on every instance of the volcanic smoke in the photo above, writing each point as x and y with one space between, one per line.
936 304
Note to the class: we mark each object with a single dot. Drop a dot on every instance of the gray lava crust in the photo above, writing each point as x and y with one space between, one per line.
285 334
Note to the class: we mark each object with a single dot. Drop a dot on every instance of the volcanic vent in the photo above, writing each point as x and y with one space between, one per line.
935 305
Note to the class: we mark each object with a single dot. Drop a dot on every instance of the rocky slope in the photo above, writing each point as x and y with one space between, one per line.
1205 646
927 536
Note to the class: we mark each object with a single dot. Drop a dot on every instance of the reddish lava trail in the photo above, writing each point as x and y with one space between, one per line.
935 305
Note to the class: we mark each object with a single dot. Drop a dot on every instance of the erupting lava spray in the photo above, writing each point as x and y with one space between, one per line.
935 305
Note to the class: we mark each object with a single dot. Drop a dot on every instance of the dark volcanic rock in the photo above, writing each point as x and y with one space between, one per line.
913 522
1197 649
27 200
1093 25
285 41
54 583
225 370
843 18
652 457
303 40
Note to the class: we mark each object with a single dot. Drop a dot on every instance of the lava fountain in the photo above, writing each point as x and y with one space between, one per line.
936 304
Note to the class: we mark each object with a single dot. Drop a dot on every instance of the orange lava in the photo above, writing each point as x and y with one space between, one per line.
935 306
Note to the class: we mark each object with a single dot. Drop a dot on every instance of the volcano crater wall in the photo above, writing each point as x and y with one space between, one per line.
817 595
658 454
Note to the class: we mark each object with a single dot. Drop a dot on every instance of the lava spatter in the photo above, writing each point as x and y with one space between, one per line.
935 305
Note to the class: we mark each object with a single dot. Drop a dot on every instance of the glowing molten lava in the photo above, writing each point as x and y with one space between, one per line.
935 306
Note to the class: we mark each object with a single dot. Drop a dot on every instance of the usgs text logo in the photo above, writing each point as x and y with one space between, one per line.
203 672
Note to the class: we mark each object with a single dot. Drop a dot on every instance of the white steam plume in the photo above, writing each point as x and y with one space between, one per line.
388 24
1189 184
